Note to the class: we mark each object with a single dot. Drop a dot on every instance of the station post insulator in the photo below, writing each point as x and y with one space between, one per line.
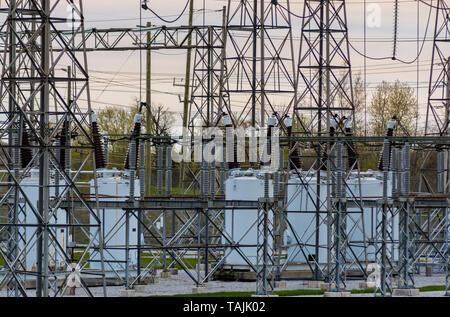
135 135
390 126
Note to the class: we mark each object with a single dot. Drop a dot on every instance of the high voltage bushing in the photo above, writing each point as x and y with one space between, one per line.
100 161
132 163
26 154
142 169
159 169
168 170
440 171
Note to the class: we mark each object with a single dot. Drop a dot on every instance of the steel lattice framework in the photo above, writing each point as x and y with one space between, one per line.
324 106
34 78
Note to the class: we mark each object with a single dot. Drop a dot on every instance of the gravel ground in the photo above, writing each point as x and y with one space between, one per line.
182 284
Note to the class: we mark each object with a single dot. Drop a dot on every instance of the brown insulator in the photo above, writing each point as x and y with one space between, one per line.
26 153
295 160
100 161
135 134
390 132
351 147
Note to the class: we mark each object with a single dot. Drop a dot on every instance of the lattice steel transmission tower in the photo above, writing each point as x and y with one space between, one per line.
324 107
260 62
438 109
44 120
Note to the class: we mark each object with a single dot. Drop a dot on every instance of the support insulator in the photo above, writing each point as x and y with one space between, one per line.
440 171
168 170
231 157
394 167
159 169
295 161
133 152
351 147
136 133
390 132
266 185
142 170
406 173
271 122
332 133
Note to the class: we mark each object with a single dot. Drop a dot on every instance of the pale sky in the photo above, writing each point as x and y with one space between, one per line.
115 75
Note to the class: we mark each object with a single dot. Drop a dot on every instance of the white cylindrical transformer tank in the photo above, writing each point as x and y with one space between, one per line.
30 186
301 208
112 186
240 224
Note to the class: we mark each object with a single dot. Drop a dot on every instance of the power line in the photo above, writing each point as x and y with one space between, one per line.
146 7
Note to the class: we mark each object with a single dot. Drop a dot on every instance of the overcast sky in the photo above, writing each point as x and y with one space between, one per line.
115 75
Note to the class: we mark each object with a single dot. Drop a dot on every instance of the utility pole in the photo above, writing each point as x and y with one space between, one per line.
187 86
148 124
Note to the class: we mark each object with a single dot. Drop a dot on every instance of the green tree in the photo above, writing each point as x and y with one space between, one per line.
393 99
118 123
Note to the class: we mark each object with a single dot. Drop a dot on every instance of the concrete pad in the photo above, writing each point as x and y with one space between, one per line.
365 285
337 294
198 290
406 292
151 279
269 295
139 288
127 293
165 274
70 291
280 284
318 284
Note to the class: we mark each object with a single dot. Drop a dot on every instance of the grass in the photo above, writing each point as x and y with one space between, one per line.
297 292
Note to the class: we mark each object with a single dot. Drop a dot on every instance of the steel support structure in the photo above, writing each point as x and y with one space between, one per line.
324 106
34 63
